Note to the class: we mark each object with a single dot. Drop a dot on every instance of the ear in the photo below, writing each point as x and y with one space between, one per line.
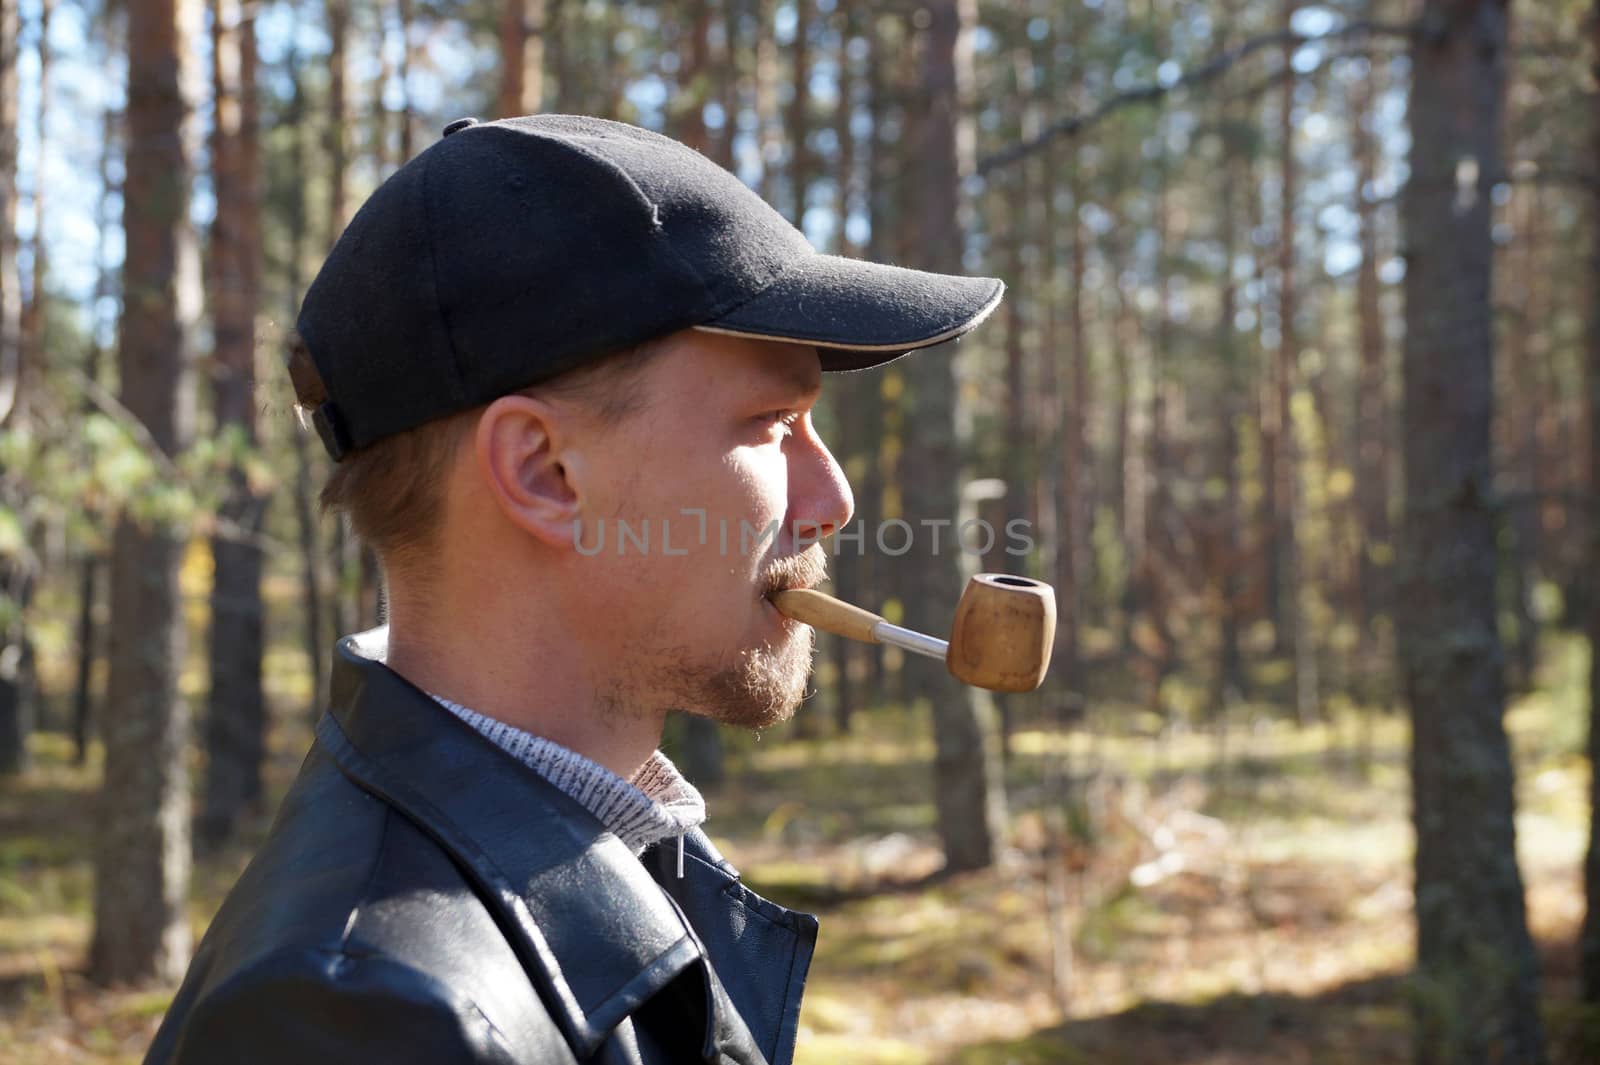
519 444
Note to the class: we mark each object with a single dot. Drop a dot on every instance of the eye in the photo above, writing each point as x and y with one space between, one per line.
783 418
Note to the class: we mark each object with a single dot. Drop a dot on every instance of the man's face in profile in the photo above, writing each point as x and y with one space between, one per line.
723 468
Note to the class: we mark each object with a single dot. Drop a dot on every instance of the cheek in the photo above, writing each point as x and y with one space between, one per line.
762 481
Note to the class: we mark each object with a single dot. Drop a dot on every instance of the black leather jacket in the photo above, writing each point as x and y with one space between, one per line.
424 897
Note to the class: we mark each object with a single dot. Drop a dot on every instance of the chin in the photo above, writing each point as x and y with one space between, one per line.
764 687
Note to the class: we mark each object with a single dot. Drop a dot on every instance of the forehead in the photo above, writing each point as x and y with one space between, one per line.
741 365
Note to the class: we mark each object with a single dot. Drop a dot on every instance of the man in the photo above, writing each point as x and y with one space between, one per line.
566 368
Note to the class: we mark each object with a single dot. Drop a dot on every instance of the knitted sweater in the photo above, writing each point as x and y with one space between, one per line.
656 804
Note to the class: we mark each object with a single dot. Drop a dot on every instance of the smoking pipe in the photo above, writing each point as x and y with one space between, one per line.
1000 640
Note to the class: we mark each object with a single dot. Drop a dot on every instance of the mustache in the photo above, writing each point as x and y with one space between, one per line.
805 570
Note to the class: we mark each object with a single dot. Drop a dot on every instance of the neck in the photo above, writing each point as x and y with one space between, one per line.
543 682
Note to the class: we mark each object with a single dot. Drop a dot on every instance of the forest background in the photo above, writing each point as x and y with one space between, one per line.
1297 385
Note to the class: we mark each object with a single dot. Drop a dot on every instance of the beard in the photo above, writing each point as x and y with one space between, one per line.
754 687
762 688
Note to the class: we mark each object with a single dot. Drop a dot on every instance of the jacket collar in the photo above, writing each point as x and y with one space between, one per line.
561 888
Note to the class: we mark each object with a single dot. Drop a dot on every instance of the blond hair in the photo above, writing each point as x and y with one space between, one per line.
392 491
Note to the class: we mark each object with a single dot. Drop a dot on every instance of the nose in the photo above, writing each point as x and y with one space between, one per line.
820 501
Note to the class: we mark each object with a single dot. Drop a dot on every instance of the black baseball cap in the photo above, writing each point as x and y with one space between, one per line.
509 252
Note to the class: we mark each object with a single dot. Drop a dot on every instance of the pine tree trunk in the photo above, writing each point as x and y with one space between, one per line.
35 316
1286 593
1589 939
766 98
686 114
1374 439
1065 384
1229 679
1477 981
728 85
521 58
23 579
875 408
337 145
142 851
407 116
15 699
82 688
379 118
92 562
236 721
1075 507
1129 458
1516 440
851 404
1157 555
799 117
10 281
311 568
968 790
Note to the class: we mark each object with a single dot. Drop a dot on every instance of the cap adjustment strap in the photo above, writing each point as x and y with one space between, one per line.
331 426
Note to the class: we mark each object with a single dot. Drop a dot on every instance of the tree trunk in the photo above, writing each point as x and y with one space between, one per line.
968 791
15 700
1519 373
1075 504
1373 438
799 118
304 507
23 578
236 721
380 118
1128 447
1017 474
1477 979
686 113
564 42
1158 552
1589 940
1286 592
82 688
142 851
1229 678
35 314
1277 433
853 405
10 281
92 562
337 143
407 116
882 232
521 58
766 98
1068 396
729 80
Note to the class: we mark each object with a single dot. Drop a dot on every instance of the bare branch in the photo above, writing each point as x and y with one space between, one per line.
1072 125
223 528
129 422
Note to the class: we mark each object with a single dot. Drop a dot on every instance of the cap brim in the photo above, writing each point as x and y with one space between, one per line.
859 314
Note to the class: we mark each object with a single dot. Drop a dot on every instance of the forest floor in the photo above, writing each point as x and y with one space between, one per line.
1241 902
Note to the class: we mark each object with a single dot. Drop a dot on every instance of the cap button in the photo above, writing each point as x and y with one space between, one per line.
458 125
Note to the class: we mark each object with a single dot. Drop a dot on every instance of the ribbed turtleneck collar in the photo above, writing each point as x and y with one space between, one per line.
655 805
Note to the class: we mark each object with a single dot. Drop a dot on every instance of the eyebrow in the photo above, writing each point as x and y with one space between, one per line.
794 378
